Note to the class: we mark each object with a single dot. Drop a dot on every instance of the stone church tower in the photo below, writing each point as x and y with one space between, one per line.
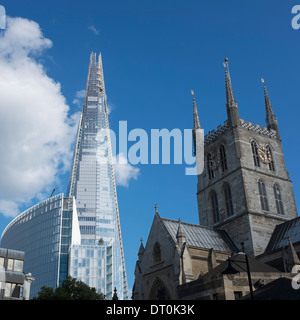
245 188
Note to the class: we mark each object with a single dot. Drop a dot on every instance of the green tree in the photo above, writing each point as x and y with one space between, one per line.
70 289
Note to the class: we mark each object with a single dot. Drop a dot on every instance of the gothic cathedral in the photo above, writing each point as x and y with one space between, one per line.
245 188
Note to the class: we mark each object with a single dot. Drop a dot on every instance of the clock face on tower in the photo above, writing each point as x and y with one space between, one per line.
265 154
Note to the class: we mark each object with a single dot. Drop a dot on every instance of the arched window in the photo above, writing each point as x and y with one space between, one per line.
278 199
263 195
228 200
159 291
214 206
223 158
156 252
270 154
211 173
255 154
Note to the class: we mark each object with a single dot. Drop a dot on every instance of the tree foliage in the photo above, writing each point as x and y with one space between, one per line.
70 289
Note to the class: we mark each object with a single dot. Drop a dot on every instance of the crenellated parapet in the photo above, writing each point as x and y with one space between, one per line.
257 128
212 135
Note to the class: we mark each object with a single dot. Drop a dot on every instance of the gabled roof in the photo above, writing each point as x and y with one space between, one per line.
201 236
282 233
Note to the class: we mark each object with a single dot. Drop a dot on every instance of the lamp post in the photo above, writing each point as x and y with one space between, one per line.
248 271
230 271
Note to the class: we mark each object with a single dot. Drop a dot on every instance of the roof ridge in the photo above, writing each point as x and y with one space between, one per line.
191 224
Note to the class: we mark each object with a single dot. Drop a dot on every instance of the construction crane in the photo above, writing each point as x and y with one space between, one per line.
52 192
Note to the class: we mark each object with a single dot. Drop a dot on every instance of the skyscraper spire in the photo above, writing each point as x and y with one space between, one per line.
271 119
92 183
231 104
101 75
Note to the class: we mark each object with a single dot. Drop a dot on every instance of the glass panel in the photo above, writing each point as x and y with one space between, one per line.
1 262
7 289
15 290
10 264
18 265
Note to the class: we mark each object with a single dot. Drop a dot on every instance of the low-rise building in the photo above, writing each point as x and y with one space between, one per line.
14 284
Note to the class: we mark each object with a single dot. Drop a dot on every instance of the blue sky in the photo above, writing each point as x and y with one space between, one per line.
154 53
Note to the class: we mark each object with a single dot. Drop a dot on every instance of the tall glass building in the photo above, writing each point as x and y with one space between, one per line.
45 233
99 259
78 235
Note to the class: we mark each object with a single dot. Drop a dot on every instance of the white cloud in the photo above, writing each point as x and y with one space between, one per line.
110 107
79 96
9 208
35 131
124 171
95 30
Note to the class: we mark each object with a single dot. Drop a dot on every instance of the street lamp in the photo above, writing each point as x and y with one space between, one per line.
230 271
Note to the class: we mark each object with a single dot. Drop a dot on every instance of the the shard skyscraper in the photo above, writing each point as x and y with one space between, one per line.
99 259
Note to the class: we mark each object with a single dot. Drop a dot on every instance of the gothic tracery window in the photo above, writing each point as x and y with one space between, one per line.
223 158
228 200
255 154
159 291
263 195
211 173
271 163
156 252
214 206
278 199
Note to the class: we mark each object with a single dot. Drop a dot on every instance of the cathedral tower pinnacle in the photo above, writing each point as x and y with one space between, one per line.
271 119
196 122
231 104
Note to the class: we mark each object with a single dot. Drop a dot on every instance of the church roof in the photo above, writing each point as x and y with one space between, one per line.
282 233
201 236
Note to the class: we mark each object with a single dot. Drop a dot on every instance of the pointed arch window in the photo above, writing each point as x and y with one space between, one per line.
159 291
271 163
214 206
278 199
223 158
228 200
263 195
255 154
211 173
156 252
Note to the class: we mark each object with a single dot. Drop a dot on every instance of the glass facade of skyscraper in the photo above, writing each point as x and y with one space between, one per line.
80 235
45 233
99 260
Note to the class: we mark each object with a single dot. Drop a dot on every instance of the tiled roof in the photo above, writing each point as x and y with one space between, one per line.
282 233
201 236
